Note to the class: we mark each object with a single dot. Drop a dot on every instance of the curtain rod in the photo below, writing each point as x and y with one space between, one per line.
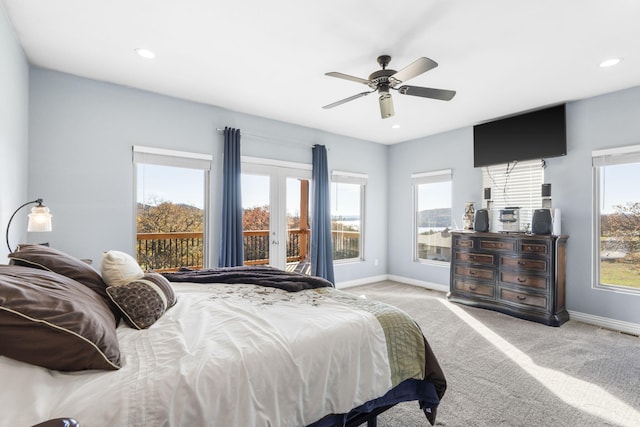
275 141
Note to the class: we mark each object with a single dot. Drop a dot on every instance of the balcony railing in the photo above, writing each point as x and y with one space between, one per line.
170 251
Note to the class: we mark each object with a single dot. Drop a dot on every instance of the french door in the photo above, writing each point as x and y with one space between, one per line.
276 223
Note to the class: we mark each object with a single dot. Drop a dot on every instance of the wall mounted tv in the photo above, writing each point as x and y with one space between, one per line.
535 135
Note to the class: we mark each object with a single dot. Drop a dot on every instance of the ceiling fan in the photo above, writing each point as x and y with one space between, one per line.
382 81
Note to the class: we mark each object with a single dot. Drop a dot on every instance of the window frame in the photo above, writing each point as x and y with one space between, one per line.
417 179
361 180
601 158
180 159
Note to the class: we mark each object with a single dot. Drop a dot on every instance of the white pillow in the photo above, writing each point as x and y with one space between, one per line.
119 268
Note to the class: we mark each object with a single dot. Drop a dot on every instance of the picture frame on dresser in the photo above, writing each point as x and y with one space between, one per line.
519 274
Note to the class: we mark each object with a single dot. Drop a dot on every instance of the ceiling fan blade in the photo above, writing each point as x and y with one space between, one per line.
386 105
347 77
416 68
427 92
351 98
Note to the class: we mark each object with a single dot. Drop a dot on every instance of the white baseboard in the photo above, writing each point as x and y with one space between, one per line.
605 322
383 277
420 283
364 281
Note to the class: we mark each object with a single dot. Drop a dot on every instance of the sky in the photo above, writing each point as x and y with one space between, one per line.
621 186
161 182
168 183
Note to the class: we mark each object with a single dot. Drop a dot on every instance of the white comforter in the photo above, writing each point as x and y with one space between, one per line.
253 357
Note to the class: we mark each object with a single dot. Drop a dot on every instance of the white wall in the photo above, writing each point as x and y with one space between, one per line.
606 121
81 134
14 90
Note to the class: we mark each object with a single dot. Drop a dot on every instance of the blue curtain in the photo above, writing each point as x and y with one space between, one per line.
321 248
231 241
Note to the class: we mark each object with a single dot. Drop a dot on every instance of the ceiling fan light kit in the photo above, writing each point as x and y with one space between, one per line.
382 81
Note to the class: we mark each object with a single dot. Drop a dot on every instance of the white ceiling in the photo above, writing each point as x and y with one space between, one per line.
268 58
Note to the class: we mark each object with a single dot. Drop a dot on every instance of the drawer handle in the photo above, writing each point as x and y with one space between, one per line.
472 257
521 280
473 272
520 262
472 287
521 298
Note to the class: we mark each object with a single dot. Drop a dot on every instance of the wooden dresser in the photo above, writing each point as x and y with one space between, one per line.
515 273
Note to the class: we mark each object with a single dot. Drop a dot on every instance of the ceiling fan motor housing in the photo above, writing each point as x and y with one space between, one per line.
380 79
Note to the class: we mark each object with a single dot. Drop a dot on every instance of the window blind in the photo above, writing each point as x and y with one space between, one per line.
518 185
349 177
163 157
616 156
431 177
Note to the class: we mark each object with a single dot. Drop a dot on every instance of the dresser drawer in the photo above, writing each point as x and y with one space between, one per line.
524 264
463 243
474 288
477 273
498 245
532 281
523 298
534 247
472 257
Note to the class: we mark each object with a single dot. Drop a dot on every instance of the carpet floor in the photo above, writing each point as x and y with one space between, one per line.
504 371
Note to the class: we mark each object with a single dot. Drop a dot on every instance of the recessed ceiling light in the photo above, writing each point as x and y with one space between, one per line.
610 62
396 126
145 53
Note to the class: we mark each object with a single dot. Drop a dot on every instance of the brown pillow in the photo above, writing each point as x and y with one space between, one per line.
143 301
50 320
47 258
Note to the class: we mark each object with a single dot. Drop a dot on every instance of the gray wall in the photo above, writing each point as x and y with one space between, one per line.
451 150
14 92
606 121
81 134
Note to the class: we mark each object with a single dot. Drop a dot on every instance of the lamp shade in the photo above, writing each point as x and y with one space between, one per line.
386 105
39 219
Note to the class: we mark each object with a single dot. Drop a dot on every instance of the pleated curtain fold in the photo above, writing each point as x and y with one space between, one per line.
231 239
321 247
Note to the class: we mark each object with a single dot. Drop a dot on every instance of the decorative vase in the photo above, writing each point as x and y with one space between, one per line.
467 217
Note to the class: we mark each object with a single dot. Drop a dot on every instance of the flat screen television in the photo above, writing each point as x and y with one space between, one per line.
536 135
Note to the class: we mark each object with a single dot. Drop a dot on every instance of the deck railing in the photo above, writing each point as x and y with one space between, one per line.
170 251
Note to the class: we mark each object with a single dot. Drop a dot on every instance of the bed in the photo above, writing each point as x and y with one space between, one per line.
248 346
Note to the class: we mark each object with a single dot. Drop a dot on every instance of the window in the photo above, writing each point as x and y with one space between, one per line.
617 218
171 198
517 184
432 215
347 202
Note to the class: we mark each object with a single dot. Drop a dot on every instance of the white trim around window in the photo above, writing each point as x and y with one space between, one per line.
164 157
